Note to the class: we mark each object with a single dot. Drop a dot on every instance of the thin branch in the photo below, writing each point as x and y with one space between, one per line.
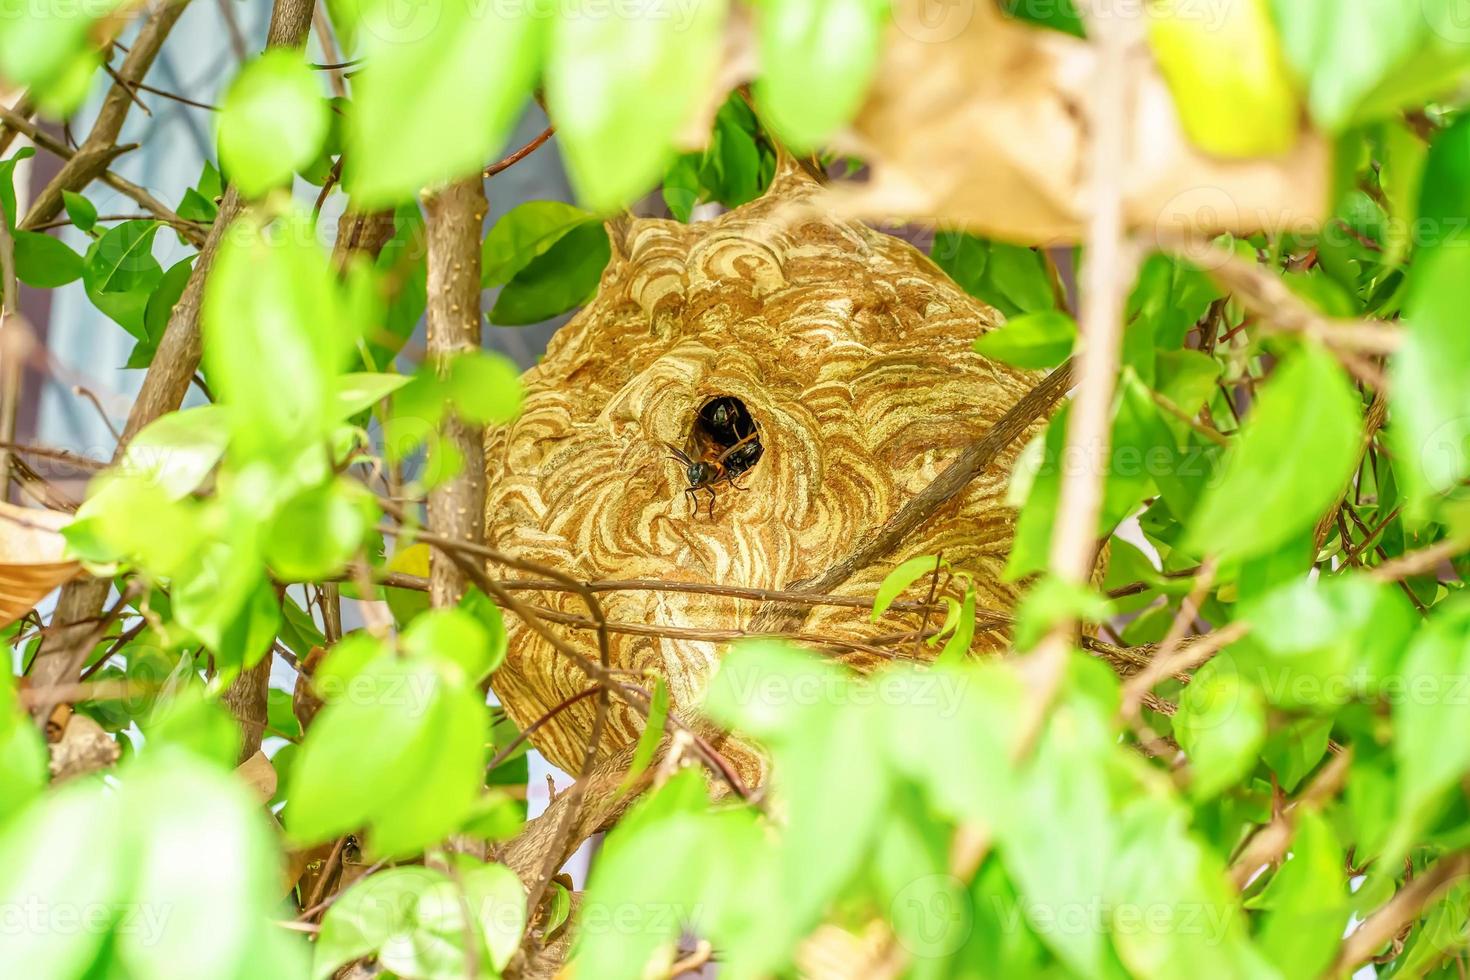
1106 277
520 154
1269 843
190 230
1421 561
1403 908
13 341
969 464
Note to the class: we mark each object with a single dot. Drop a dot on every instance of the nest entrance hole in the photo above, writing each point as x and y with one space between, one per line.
723 425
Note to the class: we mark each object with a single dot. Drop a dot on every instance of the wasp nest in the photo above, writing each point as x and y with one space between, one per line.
811 373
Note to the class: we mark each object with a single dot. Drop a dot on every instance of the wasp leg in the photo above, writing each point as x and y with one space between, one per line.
711 502
693 494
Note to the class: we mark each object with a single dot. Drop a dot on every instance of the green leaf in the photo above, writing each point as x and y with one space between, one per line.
213 919
40 863
374 912
45 47
1052 600
564 277
1033 340
402 751
454 636
620 89
272 121
82 212
362 390
817 57
274 336
1297 449
178 451
1227 76
438 95
898 580
524 233
1221 725
1012 278
45 262
957 647
1308 902
1429 716
315 533
1430 434
122 259
160 307
120 274
7 181
1314 33
1317 644
653 733
485 388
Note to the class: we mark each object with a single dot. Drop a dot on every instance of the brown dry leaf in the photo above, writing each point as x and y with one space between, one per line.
259 775
31 562
976 121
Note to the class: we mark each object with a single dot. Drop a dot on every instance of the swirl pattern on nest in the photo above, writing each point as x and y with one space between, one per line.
851 350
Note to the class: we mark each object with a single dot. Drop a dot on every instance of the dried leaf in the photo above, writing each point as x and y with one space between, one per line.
31 558
259 775
992 140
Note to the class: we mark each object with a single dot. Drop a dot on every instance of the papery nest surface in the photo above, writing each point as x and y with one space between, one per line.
852 353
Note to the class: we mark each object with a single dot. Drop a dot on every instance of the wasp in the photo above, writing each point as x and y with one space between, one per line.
715 465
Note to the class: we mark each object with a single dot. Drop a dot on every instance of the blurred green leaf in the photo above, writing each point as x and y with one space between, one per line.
1431 404
817 57
1227 75
1221 725
439 94
272 121
274 337
1307 902
621 87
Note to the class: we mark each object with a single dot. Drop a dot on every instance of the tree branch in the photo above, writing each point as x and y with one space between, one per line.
456 216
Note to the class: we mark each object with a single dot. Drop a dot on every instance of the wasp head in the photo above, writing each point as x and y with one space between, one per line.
700 474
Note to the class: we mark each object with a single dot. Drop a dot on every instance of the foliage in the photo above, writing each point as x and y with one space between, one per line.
1268 480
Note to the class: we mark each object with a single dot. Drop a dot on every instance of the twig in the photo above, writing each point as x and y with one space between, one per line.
1107 273
1421 561
100 147
1280 309
1403 908
12 350
1269 843
520 154
1169 657
190 230
969 464
531 729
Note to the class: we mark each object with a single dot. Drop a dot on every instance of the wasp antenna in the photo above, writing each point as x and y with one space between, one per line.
679 456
